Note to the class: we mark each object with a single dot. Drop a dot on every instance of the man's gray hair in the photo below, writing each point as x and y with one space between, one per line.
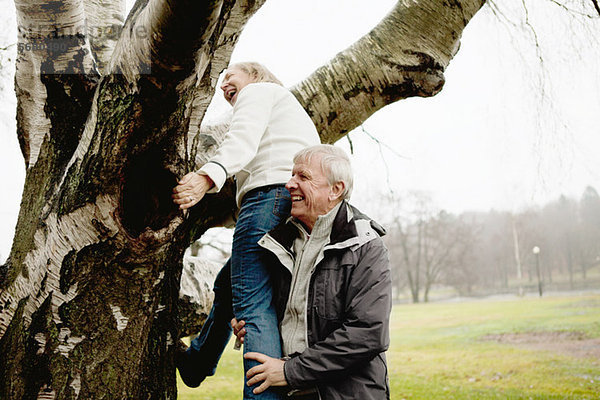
257 71
334 162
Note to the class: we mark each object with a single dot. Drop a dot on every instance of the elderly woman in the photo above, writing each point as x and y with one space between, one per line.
268 127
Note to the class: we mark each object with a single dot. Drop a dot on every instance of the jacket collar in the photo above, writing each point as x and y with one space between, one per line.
348 228
344 227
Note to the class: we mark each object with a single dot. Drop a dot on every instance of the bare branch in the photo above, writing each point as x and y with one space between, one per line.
380 144
387 169
502 17
573 11
350 144
538 48
7 47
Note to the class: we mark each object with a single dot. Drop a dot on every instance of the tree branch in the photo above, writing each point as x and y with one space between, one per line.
104 21
392 62
51 41
163 37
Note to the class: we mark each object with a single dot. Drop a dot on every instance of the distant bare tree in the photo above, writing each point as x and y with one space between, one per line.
562 214
460 247
495 244
425 244
447 242
589 211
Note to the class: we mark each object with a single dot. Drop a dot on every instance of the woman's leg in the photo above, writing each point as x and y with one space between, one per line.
201 358
251 286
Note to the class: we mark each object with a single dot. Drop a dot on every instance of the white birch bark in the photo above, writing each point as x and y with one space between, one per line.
54 45
104 22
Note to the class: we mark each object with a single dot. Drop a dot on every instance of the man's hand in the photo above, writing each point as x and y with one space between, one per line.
270 371
191 189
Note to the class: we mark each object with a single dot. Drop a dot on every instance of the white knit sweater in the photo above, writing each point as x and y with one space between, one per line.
268 127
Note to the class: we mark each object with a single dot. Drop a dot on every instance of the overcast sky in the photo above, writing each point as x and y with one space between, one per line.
495 137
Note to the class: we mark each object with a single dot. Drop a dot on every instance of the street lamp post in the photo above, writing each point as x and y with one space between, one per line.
536 252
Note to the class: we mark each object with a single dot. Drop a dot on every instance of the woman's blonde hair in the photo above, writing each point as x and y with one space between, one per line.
257 71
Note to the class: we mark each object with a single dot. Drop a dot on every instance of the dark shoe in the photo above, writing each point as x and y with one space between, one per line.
183 361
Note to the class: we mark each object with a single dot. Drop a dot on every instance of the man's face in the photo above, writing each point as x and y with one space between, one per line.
235 80
310 191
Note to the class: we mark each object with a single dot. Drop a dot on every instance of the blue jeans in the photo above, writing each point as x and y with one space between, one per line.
250 294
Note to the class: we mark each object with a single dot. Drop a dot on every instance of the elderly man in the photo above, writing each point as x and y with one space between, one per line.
332 279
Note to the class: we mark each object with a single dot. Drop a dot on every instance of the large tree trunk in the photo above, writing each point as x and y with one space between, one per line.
88 297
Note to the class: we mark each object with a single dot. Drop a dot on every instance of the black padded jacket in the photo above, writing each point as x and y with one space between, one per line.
348 308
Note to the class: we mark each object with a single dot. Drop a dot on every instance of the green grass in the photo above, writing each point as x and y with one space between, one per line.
437 352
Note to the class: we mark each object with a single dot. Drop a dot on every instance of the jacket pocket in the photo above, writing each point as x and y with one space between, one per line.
329 293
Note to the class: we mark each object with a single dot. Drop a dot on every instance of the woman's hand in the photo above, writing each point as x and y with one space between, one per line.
191 189
238 329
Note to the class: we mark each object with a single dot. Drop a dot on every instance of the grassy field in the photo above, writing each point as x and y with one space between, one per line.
525 348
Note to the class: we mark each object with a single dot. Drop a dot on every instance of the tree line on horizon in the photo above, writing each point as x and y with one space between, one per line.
551 247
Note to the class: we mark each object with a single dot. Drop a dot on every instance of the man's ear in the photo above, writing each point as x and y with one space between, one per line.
336 191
